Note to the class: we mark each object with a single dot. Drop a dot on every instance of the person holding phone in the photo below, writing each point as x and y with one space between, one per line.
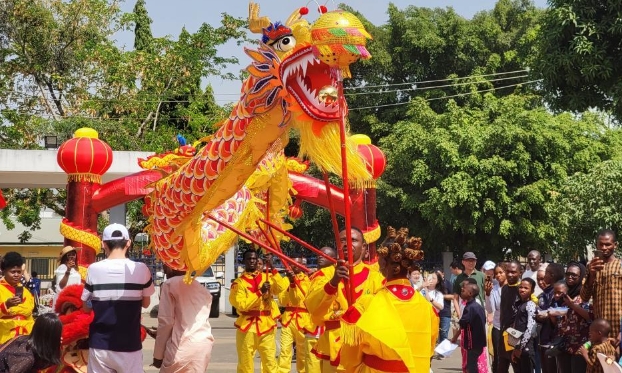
16 305
67 272
604 281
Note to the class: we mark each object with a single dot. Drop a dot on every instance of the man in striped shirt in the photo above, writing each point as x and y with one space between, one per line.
116 289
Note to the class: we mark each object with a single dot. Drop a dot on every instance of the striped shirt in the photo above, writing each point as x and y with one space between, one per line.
116 288
606 294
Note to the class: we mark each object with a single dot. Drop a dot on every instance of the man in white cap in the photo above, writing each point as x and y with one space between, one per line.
116 288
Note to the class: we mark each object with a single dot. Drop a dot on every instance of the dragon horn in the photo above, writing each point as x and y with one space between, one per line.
256 23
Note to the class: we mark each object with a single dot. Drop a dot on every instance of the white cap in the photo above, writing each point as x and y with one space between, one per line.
107 235
488 265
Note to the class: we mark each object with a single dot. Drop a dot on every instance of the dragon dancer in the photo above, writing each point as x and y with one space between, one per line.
252 296
390 331
294 320
327 302
313 332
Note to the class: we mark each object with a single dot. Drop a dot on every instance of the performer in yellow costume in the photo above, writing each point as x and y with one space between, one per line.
252 296
313 332
15 310
327 302
294 320
390 331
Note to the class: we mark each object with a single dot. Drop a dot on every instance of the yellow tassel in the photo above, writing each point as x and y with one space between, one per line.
86 177
365 184
325 151
350 334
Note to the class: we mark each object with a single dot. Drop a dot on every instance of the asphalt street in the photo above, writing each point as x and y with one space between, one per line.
224 357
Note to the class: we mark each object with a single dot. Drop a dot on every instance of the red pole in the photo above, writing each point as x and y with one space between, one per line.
346 187
278 247
299 241
333 216
252 239
268 218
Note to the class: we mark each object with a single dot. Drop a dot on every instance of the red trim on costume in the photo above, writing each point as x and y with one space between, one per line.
316 274
357 282
319 355
402 292
255 313
252 280
351 316
330 289
9 287
377 363
332 324
296 309
3 308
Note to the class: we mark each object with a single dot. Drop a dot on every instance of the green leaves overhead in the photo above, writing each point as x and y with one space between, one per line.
480 177
579 55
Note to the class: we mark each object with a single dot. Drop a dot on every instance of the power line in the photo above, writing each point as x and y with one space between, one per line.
49 116
445 97
438 80
438 86
166 100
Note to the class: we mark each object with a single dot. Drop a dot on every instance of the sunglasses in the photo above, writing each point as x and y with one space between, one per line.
570 274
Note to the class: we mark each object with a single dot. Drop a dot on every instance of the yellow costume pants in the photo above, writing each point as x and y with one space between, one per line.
289 335
312 363
248 343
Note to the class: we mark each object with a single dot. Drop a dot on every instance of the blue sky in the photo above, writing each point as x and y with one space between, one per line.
170 16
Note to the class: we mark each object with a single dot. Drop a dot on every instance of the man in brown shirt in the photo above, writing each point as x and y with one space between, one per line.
604 281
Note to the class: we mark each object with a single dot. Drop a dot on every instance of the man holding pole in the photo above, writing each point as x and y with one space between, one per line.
327 298
294 320
251 295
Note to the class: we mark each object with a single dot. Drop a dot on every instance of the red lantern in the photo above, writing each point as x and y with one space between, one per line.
295 211
374 158
85 157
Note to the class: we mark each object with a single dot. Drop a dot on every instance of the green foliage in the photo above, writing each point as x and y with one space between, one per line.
479 176
579 55
430 45
142 30
587 202
60 70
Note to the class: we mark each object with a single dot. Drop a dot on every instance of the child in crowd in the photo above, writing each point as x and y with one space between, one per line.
525 322
473 327
599 342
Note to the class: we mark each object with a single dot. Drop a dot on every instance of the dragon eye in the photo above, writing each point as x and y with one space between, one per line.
284 44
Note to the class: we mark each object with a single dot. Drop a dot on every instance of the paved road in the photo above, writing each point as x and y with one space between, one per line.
224 358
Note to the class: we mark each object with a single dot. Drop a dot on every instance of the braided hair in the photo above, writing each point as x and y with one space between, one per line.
400 251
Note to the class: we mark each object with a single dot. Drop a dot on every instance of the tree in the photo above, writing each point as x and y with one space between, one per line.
479 176
587 202
424 52
60 70
142 28
579 55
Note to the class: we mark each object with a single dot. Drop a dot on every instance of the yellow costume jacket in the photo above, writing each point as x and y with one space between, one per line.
16 320
257 313
390 331
327 304
293 300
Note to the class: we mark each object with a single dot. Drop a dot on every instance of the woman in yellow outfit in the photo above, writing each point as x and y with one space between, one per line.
16 302
391 331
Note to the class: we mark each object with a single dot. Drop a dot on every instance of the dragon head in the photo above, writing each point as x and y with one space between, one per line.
299 67
313 57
